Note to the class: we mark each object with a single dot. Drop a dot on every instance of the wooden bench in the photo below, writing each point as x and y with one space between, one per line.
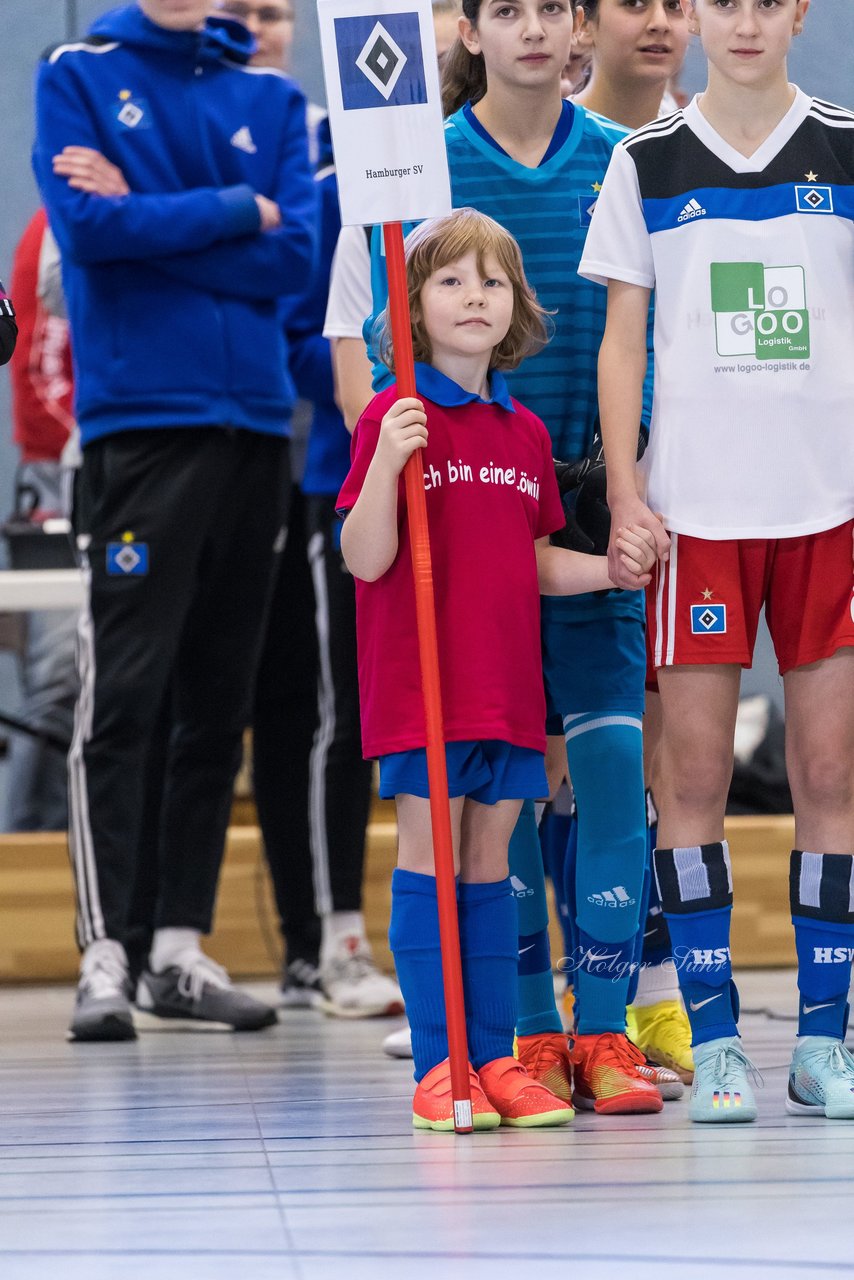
36 901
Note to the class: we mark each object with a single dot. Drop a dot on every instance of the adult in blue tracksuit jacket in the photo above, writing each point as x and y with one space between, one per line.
176 289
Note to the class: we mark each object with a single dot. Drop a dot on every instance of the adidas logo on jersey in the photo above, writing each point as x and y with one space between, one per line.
520 889
691 210
244 141
616 897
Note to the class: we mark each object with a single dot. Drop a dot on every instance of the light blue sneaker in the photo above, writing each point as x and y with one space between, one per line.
821 1079
721 1093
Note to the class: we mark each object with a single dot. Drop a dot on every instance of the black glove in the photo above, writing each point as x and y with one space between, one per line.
583 491
8 327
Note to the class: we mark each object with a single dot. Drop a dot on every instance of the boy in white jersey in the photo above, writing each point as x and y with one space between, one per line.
738 212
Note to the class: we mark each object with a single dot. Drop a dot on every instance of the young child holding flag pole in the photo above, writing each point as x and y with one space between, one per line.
492 503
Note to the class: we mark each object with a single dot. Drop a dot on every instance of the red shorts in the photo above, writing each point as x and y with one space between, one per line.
703 604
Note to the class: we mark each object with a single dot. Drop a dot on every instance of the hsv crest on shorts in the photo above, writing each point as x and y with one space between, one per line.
708 619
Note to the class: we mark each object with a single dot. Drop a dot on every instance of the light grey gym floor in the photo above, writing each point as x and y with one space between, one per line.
288 1154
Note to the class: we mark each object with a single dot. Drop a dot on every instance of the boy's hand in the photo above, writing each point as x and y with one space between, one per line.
633 514
636 549
402 431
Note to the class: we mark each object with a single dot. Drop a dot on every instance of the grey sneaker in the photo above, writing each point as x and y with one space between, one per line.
102 1010
196 989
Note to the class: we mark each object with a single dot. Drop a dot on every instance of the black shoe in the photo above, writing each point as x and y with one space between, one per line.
301 987
200 990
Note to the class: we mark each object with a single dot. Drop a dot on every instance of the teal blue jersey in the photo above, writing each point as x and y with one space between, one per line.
548 211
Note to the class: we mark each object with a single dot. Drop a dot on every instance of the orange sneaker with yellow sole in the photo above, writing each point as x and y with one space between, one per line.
605 1076
520 1100
433 1104
545 1057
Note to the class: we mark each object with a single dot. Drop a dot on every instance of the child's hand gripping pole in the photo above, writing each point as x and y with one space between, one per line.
440 810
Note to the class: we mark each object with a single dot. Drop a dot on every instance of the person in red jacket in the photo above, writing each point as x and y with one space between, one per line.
43 423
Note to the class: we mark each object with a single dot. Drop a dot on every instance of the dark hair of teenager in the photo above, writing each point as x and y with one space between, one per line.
464 73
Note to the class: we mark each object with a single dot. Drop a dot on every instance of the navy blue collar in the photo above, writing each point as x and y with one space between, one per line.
563 128
449 394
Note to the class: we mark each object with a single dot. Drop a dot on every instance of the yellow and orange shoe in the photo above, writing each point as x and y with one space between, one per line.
433 1104
545 1057
520 1100
662 1031
605 1076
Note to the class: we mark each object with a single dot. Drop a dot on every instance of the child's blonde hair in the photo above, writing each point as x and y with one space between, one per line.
436 243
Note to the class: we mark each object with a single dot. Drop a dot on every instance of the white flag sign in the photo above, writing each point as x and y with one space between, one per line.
385 109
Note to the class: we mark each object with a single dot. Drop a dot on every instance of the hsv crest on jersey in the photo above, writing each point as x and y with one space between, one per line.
813 199
586 205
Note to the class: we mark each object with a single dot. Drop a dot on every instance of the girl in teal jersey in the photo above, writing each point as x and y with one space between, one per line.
637 47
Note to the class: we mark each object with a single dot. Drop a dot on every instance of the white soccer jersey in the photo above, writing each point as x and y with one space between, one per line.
752 263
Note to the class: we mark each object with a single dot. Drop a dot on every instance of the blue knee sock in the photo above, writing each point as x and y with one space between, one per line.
605 754
821 895
414 940
695 885
639 941
536 997
573 954
554 838
488 923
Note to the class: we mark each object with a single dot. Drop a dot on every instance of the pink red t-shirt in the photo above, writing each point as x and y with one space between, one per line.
491 490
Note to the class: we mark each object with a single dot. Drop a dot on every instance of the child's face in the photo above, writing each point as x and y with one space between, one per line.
525 43
639 40
466 311
746 40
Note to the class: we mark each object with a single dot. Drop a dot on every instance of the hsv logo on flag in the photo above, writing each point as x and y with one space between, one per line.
379 61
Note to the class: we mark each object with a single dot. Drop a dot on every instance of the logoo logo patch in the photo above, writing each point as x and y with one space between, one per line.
760 311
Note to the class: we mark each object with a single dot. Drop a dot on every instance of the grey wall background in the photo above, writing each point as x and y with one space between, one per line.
820 63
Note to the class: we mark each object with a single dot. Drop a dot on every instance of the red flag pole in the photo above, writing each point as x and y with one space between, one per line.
428 649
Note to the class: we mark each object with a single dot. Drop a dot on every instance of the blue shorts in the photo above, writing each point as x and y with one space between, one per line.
486 771
598 664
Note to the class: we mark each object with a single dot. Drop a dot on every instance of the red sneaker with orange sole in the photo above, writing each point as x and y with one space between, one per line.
433 1104
545 1057
605 1076
520 1100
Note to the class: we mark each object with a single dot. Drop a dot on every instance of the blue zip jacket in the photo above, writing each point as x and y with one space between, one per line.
328 455
175 295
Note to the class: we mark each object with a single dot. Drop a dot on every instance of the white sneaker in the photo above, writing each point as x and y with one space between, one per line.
352 985
821 1079
399 1044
